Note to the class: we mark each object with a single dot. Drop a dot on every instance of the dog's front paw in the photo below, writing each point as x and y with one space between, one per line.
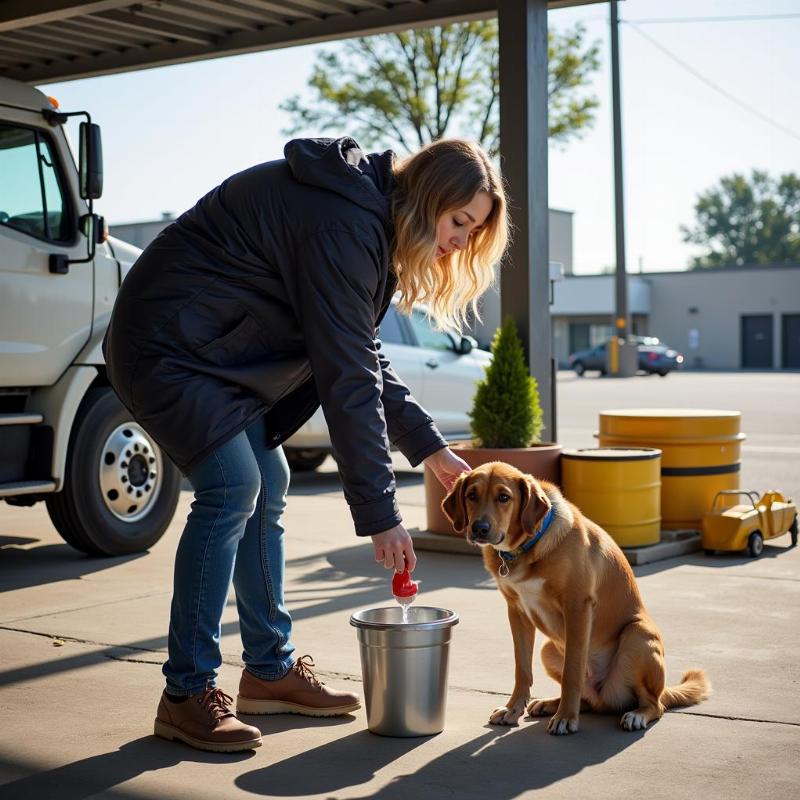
505 715
542 708
561 724
633 721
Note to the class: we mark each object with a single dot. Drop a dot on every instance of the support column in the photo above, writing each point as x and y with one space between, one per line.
524 283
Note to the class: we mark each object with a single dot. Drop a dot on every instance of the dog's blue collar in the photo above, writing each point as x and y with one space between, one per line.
510 555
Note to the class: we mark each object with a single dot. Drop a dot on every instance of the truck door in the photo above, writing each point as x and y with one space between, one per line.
45 317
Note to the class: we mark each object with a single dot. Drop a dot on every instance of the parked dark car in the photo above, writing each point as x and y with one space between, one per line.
659 359
594 359
654 357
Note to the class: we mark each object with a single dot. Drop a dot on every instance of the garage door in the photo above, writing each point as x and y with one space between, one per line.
757 341
791 341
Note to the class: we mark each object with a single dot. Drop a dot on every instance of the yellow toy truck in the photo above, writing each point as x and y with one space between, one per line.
746 526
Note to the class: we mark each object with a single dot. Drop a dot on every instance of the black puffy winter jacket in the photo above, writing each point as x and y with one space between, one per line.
264 299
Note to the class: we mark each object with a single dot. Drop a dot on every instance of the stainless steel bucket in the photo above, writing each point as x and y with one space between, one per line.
404 668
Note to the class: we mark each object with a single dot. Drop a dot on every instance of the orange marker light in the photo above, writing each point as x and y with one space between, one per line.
53 102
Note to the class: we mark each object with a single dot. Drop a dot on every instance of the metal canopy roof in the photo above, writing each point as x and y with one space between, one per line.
43 41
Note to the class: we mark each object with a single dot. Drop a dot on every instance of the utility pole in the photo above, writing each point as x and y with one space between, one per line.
621 355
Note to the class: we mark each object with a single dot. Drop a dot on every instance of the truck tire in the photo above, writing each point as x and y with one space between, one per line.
120 491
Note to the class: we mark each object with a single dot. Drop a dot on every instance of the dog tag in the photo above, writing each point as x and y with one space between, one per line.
503 568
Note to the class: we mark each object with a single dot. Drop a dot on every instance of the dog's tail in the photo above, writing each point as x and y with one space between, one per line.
693 688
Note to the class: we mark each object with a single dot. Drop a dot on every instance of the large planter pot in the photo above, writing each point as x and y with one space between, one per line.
541 460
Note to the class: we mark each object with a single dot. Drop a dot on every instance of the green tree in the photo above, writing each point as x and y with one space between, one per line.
417 86
743 221
506 410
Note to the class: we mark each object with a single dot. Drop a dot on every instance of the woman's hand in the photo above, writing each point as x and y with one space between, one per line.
447 466
395 548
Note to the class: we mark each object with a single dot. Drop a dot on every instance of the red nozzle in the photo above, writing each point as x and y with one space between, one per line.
402 585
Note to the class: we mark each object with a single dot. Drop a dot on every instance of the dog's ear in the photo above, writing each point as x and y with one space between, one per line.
455 504
533 505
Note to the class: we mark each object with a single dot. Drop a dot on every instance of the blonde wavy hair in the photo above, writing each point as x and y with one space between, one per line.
441 177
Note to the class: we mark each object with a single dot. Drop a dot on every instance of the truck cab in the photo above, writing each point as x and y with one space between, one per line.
65 438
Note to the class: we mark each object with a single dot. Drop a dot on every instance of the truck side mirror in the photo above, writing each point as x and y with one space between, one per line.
90 162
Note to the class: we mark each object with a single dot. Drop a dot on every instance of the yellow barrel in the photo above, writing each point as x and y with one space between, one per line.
701 454
618 488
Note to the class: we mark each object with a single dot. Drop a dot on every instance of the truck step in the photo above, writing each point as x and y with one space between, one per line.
26 487
21 419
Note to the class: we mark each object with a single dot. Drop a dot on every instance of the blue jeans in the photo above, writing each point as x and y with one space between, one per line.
233 532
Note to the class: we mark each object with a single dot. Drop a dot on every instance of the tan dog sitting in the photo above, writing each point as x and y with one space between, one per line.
563 574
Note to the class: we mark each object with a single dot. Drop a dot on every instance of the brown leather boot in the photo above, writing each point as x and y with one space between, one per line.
297 692
206 722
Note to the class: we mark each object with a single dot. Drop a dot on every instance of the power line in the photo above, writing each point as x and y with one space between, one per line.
713 19
685 20
713 85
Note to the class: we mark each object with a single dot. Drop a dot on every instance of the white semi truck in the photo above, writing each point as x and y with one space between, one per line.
64 436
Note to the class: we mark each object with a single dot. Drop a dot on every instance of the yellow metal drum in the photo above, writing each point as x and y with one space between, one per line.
618 488
701 454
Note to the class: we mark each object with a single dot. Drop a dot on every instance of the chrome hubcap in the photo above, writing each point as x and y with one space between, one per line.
130 472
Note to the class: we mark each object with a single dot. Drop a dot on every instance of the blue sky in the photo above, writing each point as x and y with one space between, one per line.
172 133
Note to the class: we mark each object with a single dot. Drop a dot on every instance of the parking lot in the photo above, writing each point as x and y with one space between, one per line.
82 641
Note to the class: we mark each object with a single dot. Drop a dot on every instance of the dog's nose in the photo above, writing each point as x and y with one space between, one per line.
481 528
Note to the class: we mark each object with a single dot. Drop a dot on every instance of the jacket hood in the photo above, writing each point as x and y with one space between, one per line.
341 166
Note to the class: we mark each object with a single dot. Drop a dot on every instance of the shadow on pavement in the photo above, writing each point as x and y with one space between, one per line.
500 763
7 541
720 560
33 566
434 570
84 659
437 571
96 775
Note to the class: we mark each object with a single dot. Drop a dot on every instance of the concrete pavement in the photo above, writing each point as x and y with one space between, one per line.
82 641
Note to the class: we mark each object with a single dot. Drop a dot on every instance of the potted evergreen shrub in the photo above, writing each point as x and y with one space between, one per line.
506 423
